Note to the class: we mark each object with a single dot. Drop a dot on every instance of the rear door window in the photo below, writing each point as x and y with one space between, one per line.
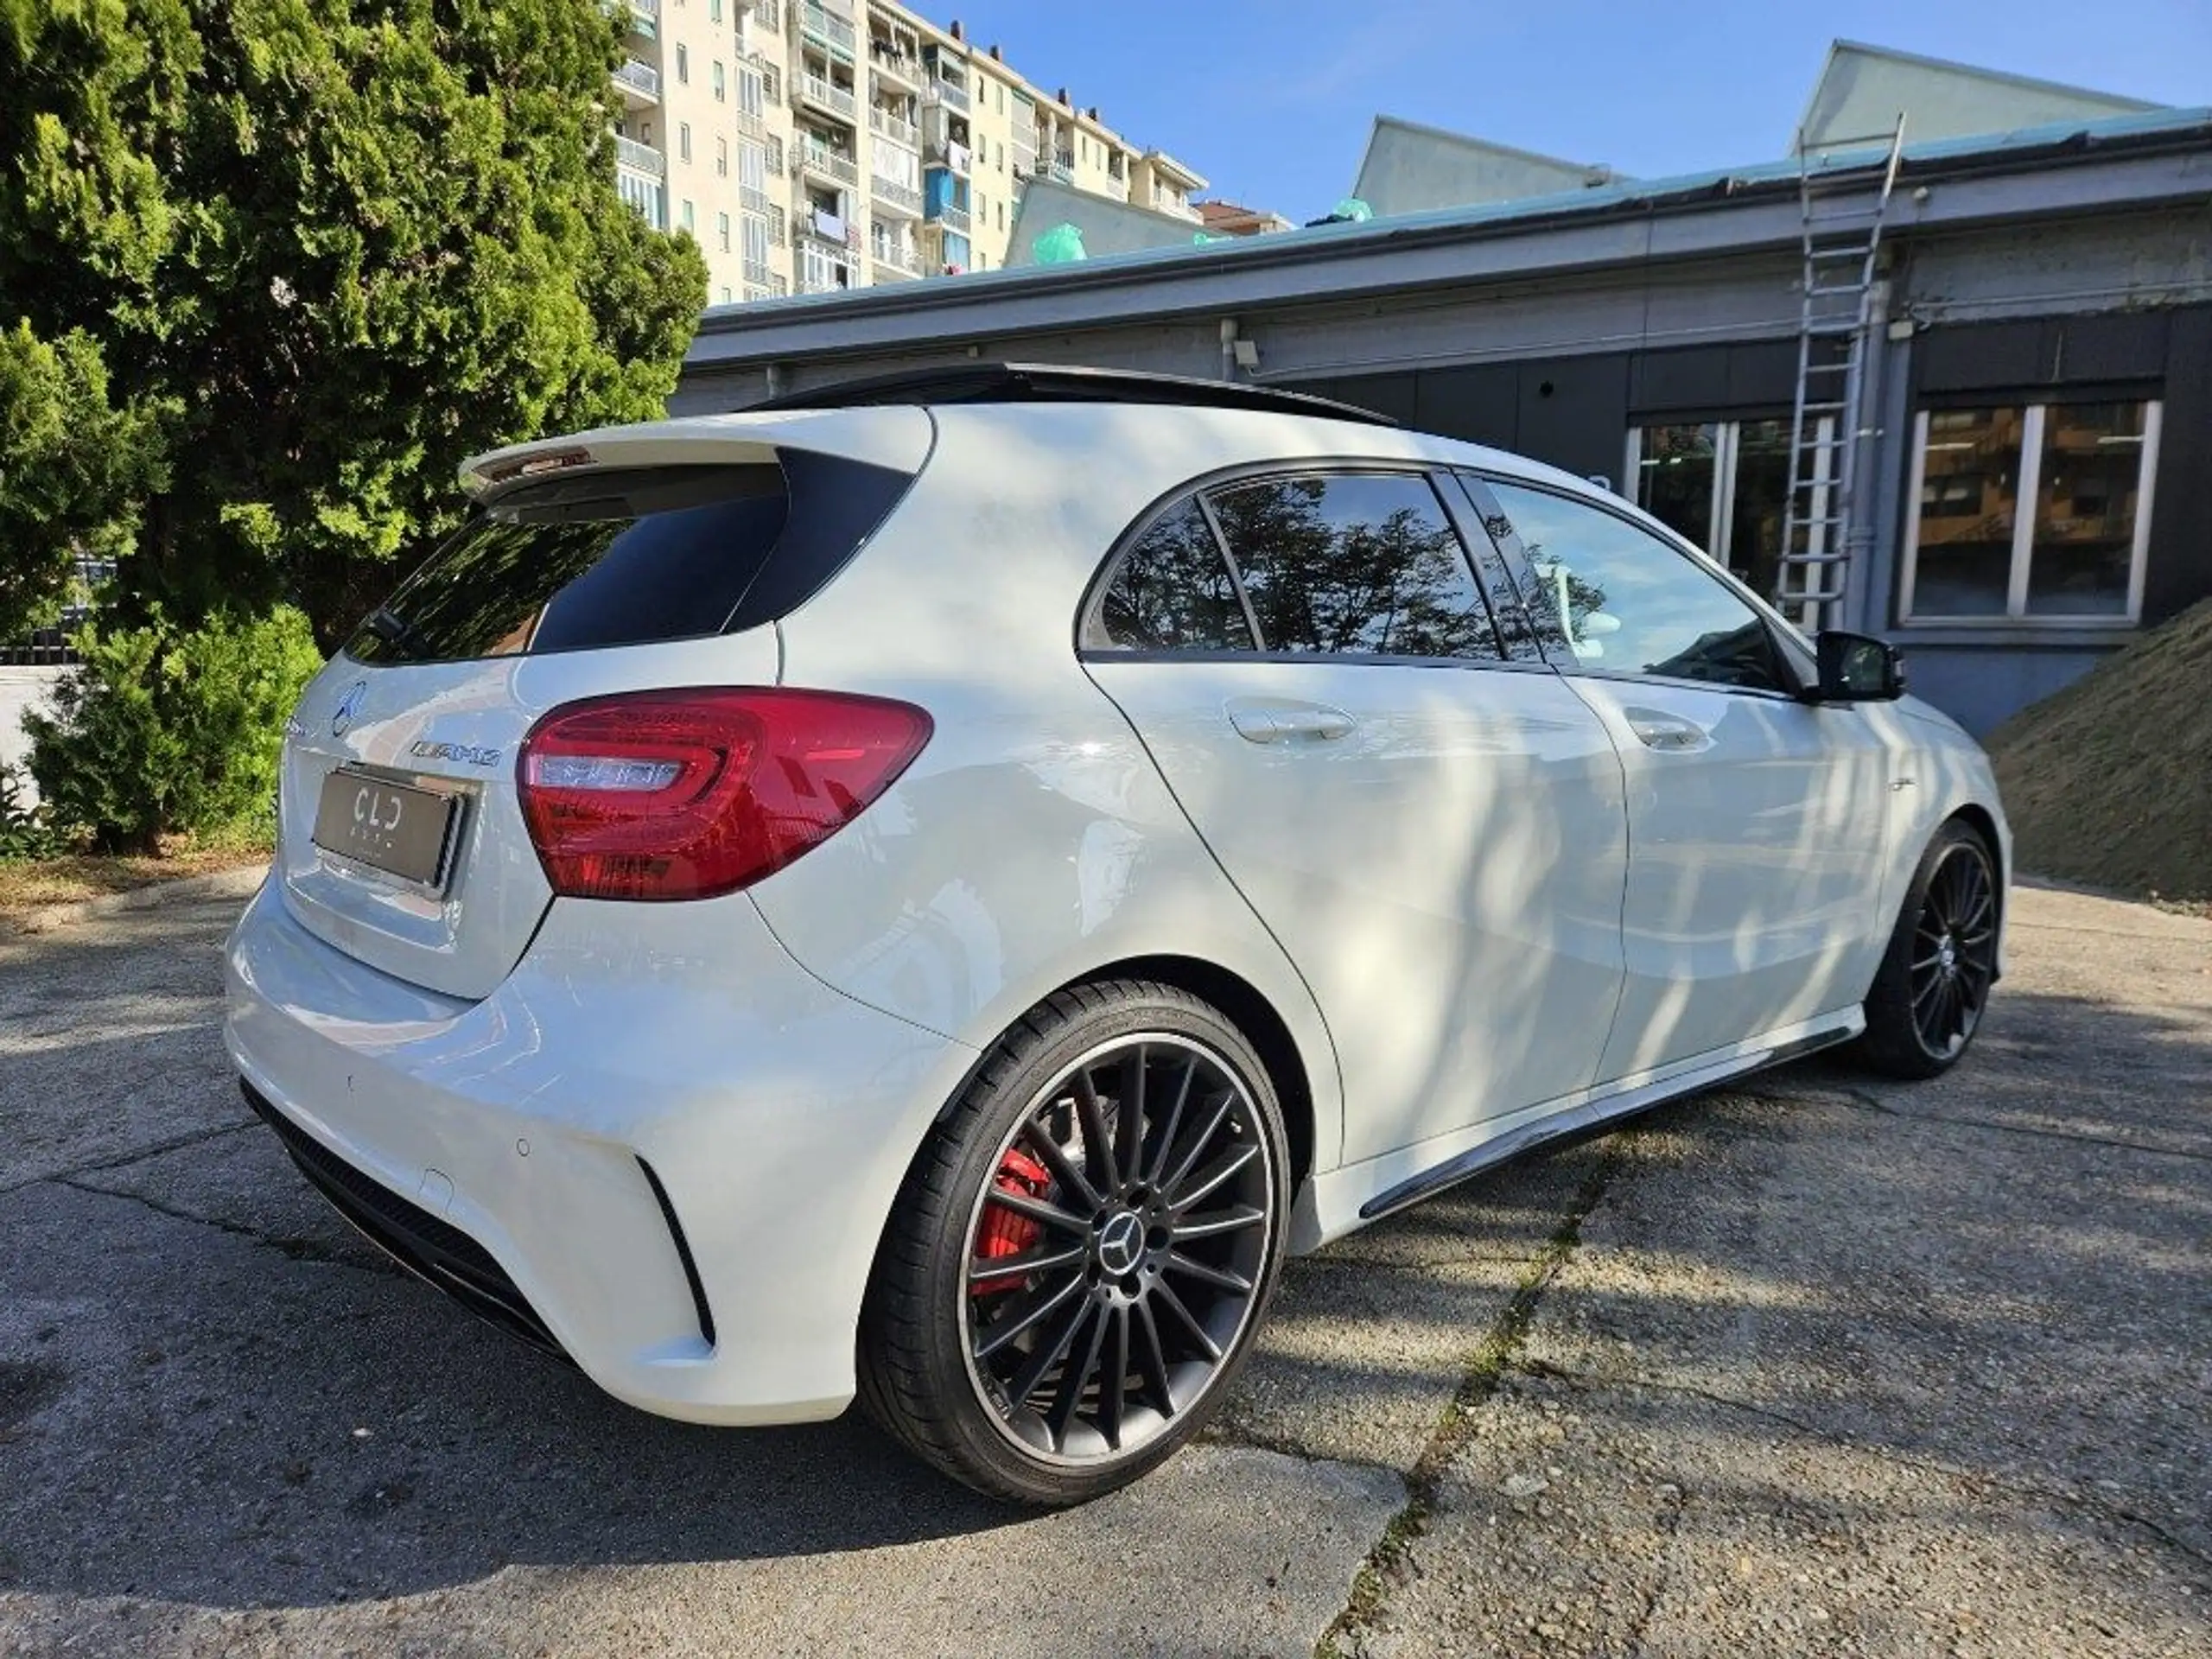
633 556
1171 591
1354 564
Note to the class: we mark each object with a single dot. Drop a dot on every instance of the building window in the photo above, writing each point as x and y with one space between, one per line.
687 216
683 65
713 11
721 158
2030 511
1001 215
1723 484
721 230
725 295
722 85
684 140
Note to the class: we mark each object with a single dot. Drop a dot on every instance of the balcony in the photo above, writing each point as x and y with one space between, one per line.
952 217
841 234
1061 172
767 15
901 197
757 275
750 124
642 16
753 197
818 23
649 199
898 263
902 67
640 83
813 91
943 152
639 158
951 94
824 163
893 126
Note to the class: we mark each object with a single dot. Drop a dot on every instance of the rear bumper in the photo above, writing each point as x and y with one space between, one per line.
509 1149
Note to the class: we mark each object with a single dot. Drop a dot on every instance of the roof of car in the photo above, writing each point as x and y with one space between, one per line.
893 425
1042 382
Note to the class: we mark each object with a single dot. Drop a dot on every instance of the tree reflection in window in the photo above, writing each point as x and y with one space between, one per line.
1173 591
1363 565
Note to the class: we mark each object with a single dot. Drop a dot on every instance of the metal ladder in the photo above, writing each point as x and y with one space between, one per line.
1841 244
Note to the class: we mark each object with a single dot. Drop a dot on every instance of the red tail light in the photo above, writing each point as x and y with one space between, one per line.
688 794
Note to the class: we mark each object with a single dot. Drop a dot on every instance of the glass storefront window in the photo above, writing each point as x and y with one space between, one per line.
2086 494
2083 472
1677 473
1722 485
1969 476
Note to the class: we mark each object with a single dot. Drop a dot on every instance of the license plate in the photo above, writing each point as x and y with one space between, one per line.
394 828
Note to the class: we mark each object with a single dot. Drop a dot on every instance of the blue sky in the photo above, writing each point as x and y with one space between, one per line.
1271 98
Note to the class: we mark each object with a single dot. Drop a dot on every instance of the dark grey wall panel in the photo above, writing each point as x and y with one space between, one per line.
1480 403
2045 351
2131 346
1983 686
1669 383
2178 565
1983 356
1574 413
1386 394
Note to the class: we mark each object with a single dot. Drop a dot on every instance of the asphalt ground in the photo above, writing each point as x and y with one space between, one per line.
1816 1365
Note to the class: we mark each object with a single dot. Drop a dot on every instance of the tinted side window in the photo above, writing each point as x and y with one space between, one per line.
1628 603
1360 564
1171 592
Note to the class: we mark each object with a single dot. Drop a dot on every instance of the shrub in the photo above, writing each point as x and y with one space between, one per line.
163 730
26 831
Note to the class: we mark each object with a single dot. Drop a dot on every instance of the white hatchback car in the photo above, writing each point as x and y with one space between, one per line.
935 895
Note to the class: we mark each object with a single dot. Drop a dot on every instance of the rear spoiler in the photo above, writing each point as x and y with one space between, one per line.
896 437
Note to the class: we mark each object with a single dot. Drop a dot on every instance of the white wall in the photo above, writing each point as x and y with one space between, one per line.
21 688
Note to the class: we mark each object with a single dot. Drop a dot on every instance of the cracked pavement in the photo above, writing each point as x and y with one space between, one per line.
1816 1365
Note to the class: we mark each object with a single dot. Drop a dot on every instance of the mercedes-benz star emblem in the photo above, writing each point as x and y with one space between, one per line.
1120 1242
348 706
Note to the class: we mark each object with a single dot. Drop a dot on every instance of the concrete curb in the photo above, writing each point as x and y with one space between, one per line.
218 884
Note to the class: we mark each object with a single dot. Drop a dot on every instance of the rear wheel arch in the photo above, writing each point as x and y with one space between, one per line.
1247 1007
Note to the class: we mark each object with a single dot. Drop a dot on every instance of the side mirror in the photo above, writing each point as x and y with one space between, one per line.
1856 668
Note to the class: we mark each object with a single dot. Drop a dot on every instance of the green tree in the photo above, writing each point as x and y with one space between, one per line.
70 468
323 251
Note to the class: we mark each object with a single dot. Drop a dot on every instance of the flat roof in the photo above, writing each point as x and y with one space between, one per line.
891 314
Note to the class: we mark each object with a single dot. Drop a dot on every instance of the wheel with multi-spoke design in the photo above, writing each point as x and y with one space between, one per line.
1934 983
1083 1250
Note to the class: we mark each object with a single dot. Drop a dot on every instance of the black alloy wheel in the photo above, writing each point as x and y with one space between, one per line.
1955 951
1114 1259
1933 987
1072 1274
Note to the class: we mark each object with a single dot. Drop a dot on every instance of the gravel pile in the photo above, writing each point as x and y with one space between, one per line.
2109 783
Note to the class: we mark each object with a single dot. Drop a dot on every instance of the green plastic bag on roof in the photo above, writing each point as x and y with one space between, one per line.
1353 208
1206 238
1061 245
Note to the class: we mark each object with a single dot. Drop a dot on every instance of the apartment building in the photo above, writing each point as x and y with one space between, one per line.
813 145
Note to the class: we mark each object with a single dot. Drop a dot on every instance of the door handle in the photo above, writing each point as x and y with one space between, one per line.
1260 722
1670 734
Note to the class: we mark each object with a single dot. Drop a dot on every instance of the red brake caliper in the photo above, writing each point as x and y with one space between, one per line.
1005 1233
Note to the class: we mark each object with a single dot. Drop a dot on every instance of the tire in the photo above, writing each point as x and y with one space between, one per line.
1933 987
1151 1256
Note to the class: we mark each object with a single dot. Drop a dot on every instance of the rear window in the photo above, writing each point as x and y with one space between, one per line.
633 556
